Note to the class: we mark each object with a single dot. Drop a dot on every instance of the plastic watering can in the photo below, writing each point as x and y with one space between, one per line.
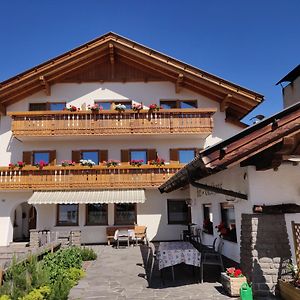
246 292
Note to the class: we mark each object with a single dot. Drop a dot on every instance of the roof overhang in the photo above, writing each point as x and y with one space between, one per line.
234 99
264 145
88 197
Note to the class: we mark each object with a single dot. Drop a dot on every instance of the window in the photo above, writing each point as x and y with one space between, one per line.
188 104
207 219
178 212
106 105
125 214
96 214
57 105
67 214
92 155
228 220
37 106
139 155
186 155
47 106
41 156
169 104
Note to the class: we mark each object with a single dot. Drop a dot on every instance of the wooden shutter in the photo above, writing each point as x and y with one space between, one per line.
151 154
125 157
52 157
76 156
27 157
103 155
174 155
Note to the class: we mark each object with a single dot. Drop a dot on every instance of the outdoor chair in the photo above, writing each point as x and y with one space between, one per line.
153 259
122 236
212 256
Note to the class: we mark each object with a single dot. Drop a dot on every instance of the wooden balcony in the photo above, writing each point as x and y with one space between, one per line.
111 123
81 177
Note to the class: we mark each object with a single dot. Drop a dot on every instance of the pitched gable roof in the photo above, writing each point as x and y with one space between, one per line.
235 100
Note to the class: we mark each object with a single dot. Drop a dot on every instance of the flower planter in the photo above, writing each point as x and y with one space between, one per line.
232 285
288 291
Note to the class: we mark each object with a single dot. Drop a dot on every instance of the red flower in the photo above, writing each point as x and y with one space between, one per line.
237 273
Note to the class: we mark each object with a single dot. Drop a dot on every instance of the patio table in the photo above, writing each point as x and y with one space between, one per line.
174 253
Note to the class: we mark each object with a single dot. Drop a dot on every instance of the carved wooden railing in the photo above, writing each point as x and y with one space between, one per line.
104 123
81 177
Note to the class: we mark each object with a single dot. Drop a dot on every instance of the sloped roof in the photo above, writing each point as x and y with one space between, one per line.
237 101
291 76
264 145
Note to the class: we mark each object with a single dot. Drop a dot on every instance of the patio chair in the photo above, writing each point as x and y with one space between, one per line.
122 236
152 257
212 256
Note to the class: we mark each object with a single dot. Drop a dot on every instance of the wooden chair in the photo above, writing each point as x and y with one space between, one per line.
140 233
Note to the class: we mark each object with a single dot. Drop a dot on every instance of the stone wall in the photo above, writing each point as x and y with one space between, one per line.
265 251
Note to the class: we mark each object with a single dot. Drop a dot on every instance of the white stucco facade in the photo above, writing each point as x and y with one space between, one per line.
291 93
262 187
152 213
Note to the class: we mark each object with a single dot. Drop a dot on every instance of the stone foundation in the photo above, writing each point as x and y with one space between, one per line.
265 251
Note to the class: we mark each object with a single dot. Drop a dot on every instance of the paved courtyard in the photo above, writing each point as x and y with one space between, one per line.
119 274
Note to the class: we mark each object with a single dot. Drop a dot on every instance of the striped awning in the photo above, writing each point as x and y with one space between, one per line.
100 196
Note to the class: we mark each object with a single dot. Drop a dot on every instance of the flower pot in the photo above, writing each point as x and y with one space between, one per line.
288 291
232 285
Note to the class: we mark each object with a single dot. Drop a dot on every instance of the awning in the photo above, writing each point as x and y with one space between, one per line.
100 196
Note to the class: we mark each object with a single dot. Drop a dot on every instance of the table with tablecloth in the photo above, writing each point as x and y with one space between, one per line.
174 253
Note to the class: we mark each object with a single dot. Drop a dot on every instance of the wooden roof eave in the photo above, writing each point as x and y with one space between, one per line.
192 77
239 148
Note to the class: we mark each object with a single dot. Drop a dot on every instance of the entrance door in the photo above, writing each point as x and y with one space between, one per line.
32 218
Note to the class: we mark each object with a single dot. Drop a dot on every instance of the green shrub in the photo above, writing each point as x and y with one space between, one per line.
88 254
4 297
62 260
41 293
74 275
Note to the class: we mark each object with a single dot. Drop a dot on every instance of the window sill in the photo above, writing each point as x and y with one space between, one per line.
229 240
66 225
89 225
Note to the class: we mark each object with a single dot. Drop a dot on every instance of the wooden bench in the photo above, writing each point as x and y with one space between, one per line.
139 231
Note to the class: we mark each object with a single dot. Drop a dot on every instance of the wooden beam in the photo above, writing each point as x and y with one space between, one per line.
45 85
179 83
2 109
112 59
288 208
225 102
218 190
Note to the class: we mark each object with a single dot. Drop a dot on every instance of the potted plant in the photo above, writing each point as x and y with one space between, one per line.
290 288
111 163
87 162
95 108
136 107
136 162
72 108
157 162
41 164
120 108
232 281
154 107
67 163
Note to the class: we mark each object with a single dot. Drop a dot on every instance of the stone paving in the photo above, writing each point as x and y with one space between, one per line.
119 274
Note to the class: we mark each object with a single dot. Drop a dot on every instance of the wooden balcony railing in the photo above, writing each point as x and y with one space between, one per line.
105 123
81 177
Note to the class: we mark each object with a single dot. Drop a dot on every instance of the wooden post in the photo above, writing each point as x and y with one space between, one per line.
1 275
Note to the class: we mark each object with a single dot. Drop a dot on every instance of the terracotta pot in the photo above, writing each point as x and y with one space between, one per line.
232 285
288 291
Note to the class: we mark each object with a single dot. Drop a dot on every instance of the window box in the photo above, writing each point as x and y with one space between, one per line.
232 285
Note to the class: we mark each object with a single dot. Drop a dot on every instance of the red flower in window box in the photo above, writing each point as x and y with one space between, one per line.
41 164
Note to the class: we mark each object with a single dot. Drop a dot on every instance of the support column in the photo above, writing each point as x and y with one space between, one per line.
265 251
34 238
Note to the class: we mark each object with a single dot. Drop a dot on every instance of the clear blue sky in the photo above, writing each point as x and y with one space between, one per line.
251 43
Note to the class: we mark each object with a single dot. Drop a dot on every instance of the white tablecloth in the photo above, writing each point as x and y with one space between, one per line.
174 253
